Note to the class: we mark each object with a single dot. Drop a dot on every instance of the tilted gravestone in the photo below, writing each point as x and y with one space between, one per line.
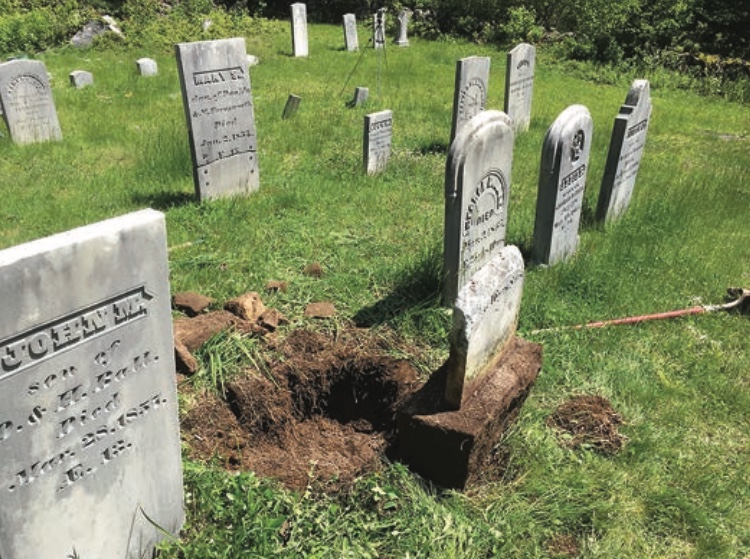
625 152
562 183
377 141
477 187
291 106
26 102
90 461
81 78
299 29
351 40
470 91
147 67
519 85
378 29
360 96
218 105
403 24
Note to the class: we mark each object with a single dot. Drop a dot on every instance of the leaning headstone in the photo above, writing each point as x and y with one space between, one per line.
403 23
351 40
26 102
378 29
562 183
90 461
477 187
519 85
470 91
219 110
291 106
625 152
299 29
360 96
147 67
81 78
377 141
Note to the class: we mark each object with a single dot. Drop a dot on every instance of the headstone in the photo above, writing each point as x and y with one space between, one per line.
299 29
377 141
470 91
562 183
360 96
484 320
477 187
625 152
350 32
147 67
403 23
292 104
90 461
219 110
378 29
26 101
519 85
81 78
252 60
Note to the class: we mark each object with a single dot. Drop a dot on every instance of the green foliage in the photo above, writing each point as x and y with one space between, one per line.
35 27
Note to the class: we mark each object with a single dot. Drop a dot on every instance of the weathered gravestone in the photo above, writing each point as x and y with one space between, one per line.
360 96
147 67
403 24
291 106
378 29
519 85
90 460
562 183
219 110
477 187
299 29
26 102
470 91
81 78
625 152
377 141
351 41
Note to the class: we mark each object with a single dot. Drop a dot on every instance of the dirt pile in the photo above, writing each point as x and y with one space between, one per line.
588 422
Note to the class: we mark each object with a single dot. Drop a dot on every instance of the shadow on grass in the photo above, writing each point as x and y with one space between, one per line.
436 147
163 200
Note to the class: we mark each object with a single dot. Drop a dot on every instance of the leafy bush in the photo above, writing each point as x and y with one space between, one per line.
27 27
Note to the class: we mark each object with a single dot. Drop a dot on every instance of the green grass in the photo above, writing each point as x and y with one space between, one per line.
680 487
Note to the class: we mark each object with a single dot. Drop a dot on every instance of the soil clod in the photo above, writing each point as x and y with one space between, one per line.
588 422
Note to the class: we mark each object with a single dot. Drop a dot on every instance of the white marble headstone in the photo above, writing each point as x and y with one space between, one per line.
89 434
470 90
378 29
519 85
81 78
562 183
351 40
147 67
299 29
377 141
403 26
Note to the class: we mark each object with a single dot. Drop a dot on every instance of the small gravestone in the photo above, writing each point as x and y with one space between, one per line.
26 102
625 152
562 183
351 40
90 461
403 23
292 104
377 141
299 29
219 110
147 67
378 29
477 187
470 91
252 60
519 85
81 78
360 96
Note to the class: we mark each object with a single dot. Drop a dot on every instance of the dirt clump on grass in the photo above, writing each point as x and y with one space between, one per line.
563 545
588 421
322 413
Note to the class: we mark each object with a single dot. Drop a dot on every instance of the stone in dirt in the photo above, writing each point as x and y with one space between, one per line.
26 102
470 90
625 153
477 189
299 29
88 403
218 103
81 78
519 85
291 106
351 42
190 303
320 310
248 306
377 141
147 67
562 184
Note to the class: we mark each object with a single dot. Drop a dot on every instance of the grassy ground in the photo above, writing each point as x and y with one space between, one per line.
680 487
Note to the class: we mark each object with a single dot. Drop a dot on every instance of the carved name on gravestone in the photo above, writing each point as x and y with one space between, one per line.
351 41
299 29
90 461
26 102
562 183
219 109
403 24
470 91
81 78
360 96
377 141
477 187
378 29
484 321
625 152
519 85
147 67
291 106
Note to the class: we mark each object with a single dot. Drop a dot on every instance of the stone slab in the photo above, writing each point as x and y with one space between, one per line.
147 67
361 94
89 435
299 30
625 153
519 85
403 27
562 184
291 106
378 29
218 102
26 102
81 78
351 40
377 141
470 91
477 189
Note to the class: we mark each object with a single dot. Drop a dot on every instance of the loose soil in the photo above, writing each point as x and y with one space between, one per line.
590 422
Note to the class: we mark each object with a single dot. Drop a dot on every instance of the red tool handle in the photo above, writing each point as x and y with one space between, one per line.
642 318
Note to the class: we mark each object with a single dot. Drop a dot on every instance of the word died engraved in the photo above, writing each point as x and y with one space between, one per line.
483 228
